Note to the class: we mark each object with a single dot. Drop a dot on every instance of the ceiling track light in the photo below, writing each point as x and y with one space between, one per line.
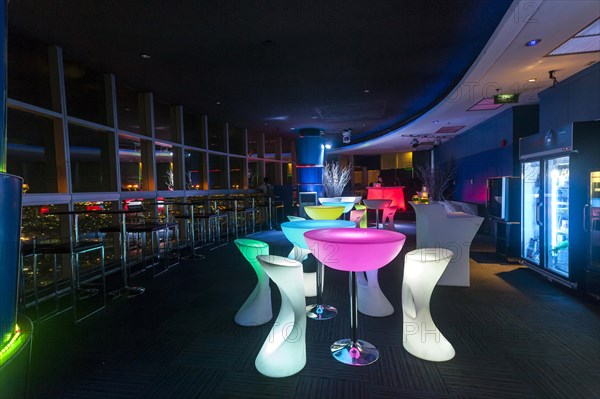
414 143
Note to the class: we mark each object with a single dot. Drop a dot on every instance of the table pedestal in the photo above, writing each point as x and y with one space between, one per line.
354 351
318 311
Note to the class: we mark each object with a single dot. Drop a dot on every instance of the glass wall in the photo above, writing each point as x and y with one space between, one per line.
237 141
31 152
194 170
194 131
237 172
217 172
28 72
85 92
128 112
286 148
216 136
90 159
163 126
84 153
272 147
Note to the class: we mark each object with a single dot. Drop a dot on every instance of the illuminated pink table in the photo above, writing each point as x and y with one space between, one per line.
396 194
354 250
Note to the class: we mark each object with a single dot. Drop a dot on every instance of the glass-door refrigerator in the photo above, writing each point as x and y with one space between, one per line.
592 226
555 184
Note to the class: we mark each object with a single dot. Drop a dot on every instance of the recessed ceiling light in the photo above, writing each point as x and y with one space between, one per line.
531 80
218 102
533 42
435 122
366 91
293 128
145 56
315 117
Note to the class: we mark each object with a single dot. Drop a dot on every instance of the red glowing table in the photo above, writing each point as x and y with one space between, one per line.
396 194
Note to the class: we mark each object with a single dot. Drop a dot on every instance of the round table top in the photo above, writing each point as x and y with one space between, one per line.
294 231
377 203
322 212
324 200
354 249
347 205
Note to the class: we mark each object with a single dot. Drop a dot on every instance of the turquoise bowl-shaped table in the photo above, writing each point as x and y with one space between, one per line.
354 250
313 282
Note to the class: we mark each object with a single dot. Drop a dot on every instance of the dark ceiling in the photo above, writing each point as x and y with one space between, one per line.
275 66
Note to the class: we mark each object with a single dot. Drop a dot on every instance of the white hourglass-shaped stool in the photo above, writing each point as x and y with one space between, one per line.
420 336
257 309
371 300
284 351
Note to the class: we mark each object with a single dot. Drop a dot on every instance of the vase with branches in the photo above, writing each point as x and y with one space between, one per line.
335 178
437 181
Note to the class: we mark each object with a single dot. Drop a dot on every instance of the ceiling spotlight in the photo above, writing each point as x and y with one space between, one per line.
437 142
346 136
532 43
531 80
328 146
145 56
414 143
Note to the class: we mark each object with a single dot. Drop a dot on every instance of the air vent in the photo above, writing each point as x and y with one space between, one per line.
449 129
586 41
485 105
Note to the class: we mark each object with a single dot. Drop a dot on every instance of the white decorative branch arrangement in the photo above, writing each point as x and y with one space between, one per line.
335 178
170 180
438 181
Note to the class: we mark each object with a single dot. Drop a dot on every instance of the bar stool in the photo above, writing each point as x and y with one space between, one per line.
377 204
257 309
155 229
78 279
420 336
388 216
284 351
354 250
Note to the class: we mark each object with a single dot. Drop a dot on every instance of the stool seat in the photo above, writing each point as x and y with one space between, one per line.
257 308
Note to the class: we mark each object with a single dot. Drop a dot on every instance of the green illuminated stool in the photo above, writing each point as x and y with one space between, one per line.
257 309
323 212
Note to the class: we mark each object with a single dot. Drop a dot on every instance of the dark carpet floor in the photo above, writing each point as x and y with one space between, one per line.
516 335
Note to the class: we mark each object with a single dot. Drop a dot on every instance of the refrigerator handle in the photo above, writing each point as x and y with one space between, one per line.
585 216
537 214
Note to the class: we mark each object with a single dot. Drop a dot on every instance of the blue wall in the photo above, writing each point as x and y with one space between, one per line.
487 150
575 99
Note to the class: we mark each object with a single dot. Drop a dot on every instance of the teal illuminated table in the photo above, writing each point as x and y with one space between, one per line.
313 284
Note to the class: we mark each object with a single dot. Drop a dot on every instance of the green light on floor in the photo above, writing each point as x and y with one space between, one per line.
12 346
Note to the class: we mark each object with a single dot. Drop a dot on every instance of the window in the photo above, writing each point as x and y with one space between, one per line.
216 136
217 172
193 133
272 147
86 93
167 172
90 160
237 172
237 141
128 113
28 71
194 170
163 126
31 152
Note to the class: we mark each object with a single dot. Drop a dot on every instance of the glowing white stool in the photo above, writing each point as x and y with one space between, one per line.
420 336
284 350
257 309
371 300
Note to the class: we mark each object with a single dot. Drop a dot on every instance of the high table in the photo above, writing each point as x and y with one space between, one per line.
126 289
377 204
396 194
294 232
